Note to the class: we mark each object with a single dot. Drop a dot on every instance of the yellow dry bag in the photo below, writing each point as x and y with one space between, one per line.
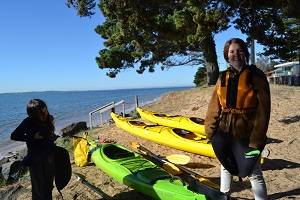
81 151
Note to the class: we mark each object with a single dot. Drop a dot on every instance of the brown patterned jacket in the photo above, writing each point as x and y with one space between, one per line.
240 106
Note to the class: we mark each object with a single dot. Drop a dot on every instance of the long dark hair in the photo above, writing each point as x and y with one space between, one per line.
237 41
34 109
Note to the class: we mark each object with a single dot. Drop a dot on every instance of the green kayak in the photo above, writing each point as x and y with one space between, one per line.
139 173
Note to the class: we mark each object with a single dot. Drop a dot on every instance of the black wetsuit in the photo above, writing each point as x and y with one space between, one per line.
40 157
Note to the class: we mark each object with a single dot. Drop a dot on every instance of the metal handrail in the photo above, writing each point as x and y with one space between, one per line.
98 109
105 108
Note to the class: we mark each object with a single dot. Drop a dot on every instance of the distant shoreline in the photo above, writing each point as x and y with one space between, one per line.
95 90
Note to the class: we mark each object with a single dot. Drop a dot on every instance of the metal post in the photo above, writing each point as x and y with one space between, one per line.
136 101
113 109
108 107
101 119
123 108
90 115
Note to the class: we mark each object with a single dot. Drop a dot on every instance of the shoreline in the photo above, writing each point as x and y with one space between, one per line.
7 145
67 110
14 147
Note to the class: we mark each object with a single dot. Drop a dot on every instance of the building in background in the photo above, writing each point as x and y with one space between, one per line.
285 73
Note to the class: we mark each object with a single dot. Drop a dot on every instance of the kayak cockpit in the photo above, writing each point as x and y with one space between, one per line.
115 152
163 115
197 120
136 123
185 134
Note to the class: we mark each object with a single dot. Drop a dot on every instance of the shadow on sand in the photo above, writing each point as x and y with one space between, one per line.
290 119
132 194
199 165
273 141
271 164
278 164
288 194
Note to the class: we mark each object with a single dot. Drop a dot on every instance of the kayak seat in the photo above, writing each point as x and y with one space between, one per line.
150 176
137 123
159 115
197 120
184 133
163 115
114 152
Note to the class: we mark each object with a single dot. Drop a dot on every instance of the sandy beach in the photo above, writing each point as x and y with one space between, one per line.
281 169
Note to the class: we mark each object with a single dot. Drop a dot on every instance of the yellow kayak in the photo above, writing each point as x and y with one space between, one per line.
193 124
172 137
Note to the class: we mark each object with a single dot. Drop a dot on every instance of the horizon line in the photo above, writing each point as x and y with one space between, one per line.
81 90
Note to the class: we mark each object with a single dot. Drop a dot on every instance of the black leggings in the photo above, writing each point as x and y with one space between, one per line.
231 154
42 176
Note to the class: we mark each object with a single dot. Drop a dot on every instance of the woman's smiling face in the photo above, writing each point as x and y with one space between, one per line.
236 56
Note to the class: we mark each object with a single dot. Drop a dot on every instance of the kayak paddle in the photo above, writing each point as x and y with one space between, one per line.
82 180
179 159
173 167
196 182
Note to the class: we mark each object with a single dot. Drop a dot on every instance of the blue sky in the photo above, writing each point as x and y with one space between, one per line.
45 46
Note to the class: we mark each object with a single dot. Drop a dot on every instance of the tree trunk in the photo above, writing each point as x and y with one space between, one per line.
252 54
210 56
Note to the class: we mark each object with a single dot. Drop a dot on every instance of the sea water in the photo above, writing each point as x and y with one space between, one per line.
69 106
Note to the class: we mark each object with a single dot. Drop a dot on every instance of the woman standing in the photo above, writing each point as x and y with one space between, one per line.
237 119
37 130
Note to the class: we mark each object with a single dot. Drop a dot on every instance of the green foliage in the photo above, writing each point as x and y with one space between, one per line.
83 7
284 42
17 172
200 77
134 115
274 24
146 34
65 142
2 181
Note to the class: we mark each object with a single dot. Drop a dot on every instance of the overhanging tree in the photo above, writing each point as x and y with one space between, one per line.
274 24
145 34
165 33
200 77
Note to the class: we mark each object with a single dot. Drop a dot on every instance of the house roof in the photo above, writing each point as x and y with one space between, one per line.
288 64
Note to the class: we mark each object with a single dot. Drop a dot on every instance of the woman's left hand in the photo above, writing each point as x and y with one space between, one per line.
252 153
